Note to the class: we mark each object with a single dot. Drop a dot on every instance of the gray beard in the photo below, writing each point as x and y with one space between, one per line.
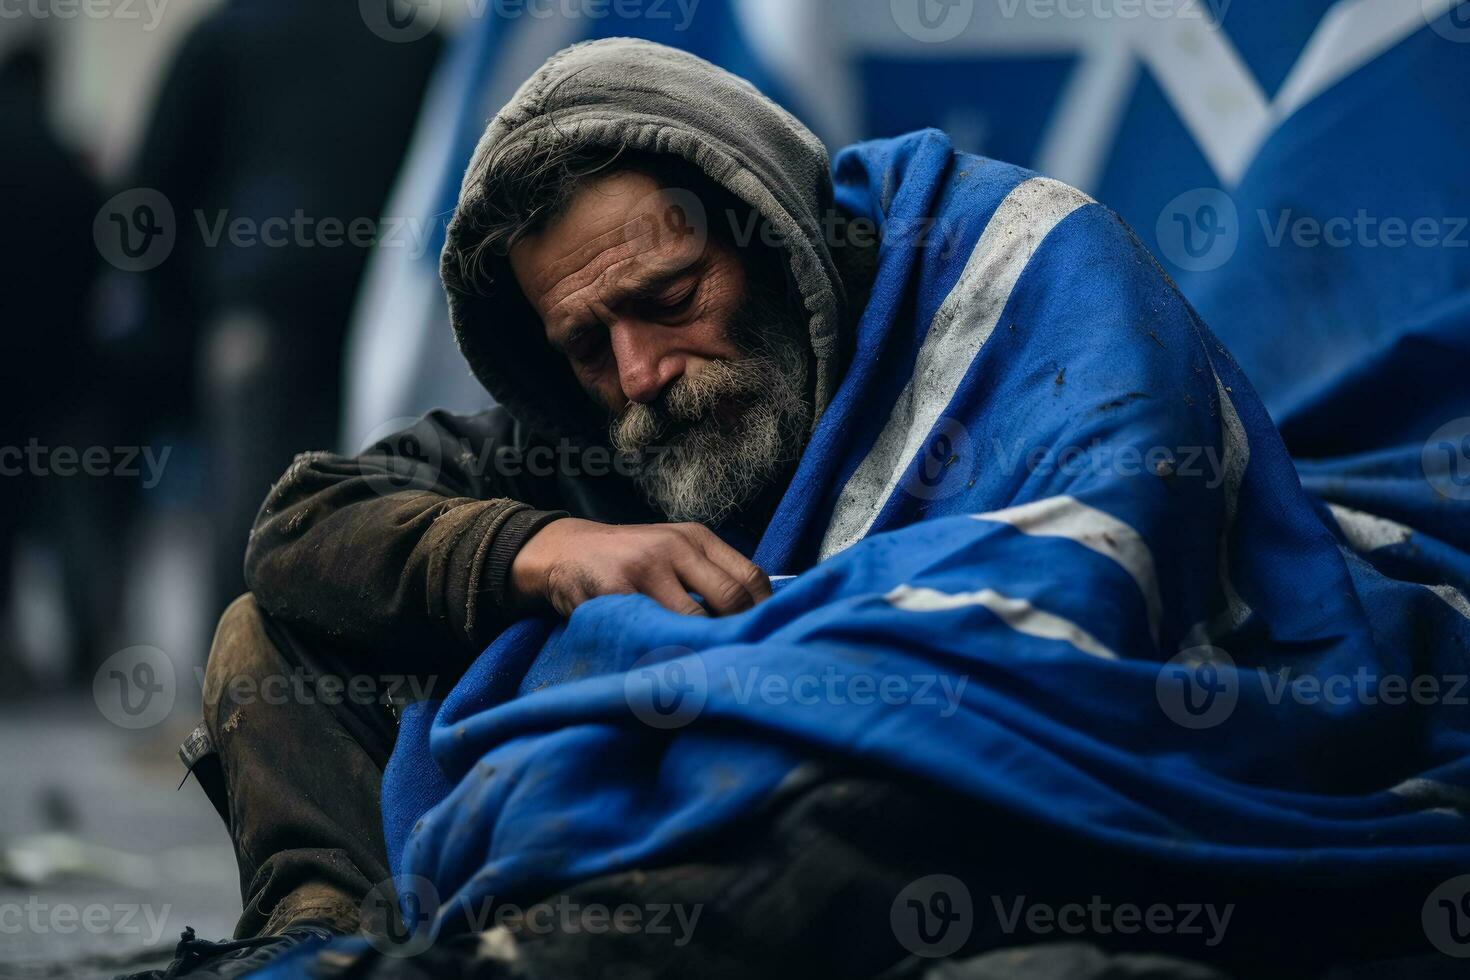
701 468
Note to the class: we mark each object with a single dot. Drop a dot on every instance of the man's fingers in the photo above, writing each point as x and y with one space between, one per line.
723 594
664 562
667 591
752 579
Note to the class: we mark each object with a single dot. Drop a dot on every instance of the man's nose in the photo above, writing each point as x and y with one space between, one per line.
648 360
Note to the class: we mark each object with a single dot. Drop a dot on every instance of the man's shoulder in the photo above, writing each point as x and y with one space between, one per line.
965 209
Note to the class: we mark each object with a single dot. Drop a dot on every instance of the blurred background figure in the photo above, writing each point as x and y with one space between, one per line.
49 265
292 118
195 358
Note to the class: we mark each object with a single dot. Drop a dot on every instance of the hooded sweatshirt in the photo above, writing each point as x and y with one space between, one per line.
412 541
623 93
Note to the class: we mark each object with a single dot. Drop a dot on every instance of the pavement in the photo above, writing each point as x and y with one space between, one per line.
104 859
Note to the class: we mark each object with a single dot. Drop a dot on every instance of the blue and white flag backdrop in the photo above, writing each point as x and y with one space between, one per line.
1297 167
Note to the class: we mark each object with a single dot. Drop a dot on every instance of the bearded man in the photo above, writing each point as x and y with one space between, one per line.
960 413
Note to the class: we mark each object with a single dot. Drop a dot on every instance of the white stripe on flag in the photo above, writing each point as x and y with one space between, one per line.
959 329
1369 532
1067 517
1018 614
1366 532
1453 596
1434 796
1236 450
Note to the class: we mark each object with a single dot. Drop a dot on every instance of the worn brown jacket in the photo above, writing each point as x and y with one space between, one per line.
402 554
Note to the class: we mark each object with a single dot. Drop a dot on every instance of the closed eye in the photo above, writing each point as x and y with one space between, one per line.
671 305
586 345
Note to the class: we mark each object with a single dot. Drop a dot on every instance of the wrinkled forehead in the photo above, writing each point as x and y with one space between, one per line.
623 231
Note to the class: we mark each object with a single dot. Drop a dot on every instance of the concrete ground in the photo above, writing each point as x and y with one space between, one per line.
103 859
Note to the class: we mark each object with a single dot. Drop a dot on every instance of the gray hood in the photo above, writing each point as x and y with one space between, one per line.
622 92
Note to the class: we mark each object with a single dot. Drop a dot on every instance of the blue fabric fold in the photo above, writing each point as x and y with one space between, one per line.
1089 540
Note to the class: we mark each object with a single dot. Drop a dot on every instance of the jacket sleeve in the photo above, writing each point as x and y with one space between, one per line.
407 544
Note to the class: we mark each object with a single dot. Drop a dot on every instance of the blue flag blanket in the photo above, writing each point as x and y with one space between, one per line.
1048 554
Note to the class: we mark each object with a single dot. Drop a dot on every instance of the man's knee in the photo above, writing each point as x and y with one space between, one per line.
243 657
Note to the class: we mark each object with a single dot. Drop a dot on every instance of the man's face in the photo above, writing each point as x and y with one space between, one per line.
661 323
629 290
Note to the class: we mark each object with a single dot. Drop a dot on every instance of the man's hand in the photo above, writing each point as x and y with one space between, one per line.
570 561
